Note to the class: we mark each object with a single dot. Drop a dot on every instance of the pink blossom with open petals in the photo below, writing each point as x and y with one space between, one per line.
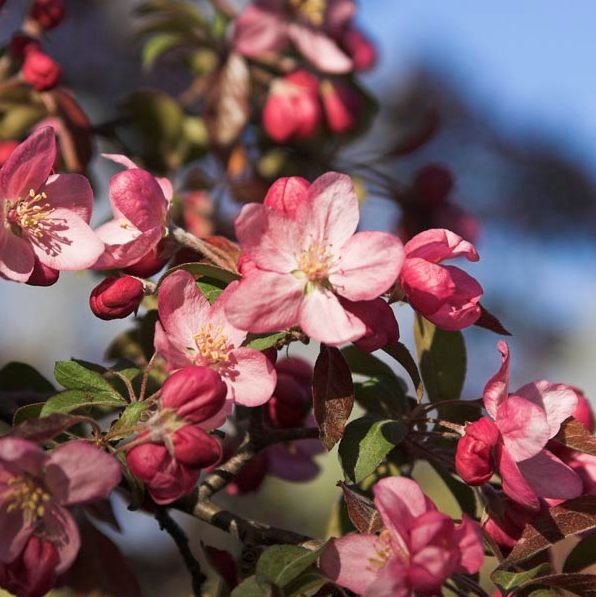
419 549
309 258
36 488
444 294
43 216
525 421
192 332
314 28
140 204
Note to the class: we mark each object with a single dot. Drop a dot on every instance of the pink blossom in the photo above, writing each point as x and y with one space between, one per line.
292 110
313 27
444 294
36 488
40 71
116 298
360 49
192 332
525 421
140 205
474 459
419 549
44 216
342 106
169 456
307 258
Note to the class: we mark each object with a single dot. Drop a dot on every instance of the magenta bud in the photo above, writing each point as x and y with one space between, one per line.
48 13
40 71
433 183
342 105
583 412
473 458
43 275
21 45
361 50
116 298
151 263
195 448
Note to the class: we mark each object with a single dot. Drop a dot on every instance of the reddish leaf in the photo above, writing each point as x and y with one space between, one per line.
569 518
223 563
489 322
226 249
333 394
575 436
583 585
40 430
361 510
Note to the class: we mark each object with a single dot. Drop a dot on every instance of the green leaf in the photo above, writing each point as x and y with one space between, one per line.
463 493
43 429
26 413
74 376
159 44
364 363
130 416
15 376
304 584
510 580
70 400
263 342
383 396
365 444
203 269
582 555
281 564
251 588
402 355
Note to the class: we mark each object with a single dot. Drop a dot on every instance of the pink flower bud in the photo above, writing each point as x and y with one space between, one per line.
43 275
151 262
381 325
48 13
506 521
116 298
195 448
433 183
292 110
40 71
474 459
342 106
33 572
583 412
360 49
6 148
21 45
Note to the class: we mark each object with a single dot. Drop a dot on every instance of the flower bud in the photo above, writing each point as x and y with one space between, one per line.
381 325
506 520
583 412
40 71
48 13
292 110
362 52
116 298
33 572
6 148
42 275
433 183
21 45
195 448
151 262
473 458
342 106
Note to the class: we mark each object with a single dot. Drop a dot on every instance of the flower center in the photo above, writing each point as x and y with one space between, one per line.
383 555
26 495
312 10
31 215
212 344
315 260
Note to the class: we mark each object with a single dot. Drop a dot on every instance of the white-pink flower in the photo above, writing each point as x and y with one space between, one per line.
307 256
43 216
192 332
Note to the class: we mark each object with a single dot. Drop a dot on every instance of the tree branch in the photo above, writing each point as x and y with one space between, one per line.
184 238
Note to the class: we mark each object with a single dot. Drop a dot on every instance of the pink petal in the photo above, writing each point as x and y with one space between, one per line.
120 159
16 256
339 14
427 285
558 400
29 165
269 238
324 319
217 316
379 319
286 194
430 568
469 545
21 455
329 211
79 473
369 264
523 426
15 532
220 418
497 387
265 302
174 356
350 561
260 29
69 244
392 581
62 530
319 49
137 195
549 477
70 191
124 247
116 233
250 378
294 462
439 244
514 483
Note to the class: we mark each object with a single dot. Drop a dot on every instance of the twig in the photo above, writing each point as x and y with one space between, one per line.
196 244
146 376
168 524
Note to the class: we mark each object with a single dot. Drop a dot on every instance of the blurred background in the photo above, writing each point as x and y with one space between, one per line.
514 88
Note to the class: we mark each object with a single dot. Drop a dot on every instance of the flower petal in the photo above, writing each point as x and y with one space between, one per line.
70 191
439 244
514 483
294 462
469 545
497 387
286 194
319 49
14 531
392 581
174 356
260 29
124 247
16 256
21 455
62 530
250 378
369 264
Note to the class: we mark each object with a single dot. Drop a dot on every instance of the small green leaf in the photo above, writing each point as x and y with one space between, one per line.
364 363
511 580
251 588
74 376
305 584
365 444
70 400
130 416
203 269
463 493
402 355
281 564
263 342
383 396
159 44
26 413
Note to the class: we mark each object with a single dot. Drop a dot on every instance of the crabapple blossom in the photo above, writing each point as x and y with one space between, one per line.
418 550
444 294
359 48
116 298
169 456
522 423
192 332
42 275
44 216
140 205
36 488
342 106
307 259
41 71
48 13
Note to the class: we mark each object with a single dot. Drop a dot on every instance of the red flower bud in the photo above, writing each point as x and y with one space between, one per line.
6 148
21 45
48 13
433 183
342 106
362 52
43 275
40 71
583 412
195 448
116 298
151 262
473 458
507 520
33 572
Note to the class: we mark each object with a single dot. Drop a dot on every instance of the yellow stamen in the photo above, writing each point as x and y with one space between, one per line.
315 260
311 10
212 344
30 215
26 495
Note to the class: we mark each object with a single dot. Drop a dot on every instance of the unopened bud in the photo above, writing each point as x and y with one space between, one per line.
48 13
116 298
195 448
473 458
151 263
342 106
21 45
40 71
